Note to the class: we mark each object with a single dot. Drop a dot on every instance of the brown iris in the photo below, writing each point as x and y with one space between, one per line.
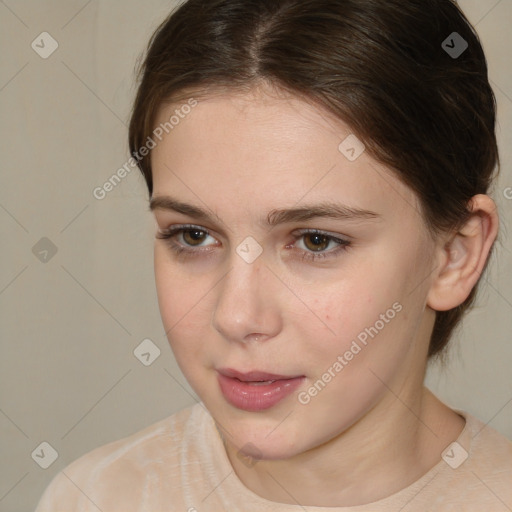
317 238
195 235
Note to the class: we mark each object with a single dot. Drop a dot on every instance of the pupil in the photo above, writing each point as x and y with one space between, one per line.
194 234
318 239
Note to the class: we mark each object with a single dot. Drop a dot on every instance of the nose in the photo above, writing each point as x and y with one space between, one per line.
247 304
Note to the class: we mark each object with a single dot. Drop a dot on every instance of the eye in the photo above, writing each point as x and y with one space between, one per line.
192 235
315 242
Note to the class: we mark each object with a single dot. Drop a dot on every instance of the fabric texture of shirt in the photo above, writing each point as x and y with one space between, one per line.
179 464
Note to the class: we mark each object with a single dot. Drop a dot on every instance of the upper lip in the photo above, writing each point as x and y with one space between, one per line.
254 375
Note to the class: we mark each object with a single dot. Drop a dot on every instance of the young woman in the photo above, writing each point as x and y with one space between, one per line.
318 172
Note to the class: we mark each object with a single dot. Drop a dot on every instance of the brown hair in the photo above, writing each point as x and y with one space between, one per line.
382 67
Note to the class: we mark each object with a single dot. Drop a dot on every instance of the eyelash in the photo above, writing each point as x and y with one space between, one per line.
169 233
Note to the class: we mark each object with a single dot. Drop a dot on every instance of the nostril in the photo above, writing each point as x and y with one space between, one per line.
255 337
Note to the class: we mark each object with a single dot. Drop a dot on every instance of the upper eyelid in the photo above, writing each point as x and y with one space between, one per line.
342 242
176 229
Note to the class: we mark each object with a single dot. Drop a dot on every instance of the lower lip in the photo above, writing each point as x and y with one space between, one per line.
256 397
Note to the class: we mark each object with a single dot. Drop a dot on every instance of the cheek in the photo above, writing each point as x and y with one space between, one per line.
183 306
180 291
365 317
347 307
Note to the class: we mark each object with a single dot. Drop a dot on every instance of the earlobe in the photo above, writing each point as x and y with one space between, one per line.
463 258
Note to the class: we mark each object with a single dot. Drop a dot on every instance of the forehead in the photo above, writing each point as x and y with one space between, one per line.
273 148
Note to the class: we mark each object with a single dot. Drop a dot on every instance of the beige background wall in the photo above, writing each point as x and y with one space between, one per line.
69 325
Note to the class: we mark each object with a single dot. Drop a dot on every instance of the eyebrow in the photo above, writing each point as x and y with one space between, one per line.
274 217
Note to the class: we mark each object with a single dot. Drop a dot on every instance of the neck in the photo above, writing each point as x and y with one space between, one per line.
386 450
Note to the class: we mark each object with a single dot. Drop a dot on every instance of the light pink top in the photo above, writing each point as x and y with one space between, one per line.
180 464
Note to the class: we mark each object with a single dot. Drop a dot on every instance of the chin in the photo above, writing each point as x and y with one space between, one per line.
261 449
265 442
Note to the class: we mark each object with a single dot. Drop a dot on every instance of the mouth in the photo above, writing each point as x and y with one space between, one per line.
256 390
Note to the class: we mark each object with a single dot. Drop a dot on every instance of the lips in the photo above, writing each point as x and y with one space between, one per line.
256 390
254 376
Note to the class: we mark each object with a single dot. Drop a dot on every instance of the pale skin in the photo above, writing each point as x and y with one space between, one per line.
374 429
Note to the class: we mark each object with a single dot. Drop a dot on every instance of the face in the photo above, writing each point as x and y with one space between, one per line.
289 332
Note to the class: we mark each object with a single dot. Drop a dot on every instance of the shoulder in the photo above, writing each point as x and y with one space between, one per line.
151 445
115 476
489 450
478 466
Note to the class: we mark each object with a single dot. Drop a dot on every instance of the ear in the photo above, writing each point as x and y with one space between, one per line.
462 258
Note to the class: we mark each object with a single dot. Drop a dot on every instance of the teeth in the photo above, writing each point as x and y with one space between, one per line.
262 382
